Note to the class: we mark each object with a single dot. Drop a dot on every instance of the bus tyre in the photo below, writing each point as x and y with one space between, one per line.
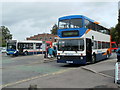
107 56
8 54
25 53
93 59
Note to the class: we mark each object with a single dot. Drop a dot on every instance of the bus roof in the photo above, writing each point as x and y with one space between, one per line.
76 16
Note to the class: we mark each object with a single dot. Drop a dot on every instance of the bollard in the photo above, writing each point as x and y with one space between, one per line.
117 73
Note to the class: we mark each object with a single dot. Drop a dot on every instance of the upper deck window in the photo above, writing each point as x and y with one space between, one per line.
76 23
70 23
63 24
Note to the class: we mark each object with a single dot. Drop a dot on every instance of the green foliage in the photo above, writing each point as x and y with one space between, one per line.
5 35
118 32
113 34
54 29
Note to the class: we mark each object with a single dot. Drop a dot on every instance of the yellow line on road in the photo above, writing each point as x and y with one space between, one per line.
36 77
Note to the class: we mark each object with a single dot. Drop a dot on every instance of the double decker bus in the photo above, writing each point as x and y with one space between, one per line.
27 47
82 40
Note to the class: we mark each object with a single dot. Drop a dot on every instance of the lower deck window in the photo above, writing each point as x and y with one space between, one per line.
71 45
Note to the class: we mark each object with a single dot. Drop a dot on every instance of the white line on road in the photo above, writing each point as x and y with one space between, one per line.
91 70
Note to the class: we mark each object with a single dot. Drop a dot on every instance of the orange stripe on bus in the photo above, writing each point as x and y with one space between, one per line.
96 22
88 31
105 53
108 50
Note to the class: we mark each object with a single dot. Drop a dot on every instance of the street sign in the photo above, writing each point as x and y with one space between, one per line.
43 47
117 73
43 41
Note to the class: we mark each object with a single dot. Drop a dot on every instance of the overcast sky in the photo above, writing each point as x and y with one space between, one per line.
25 19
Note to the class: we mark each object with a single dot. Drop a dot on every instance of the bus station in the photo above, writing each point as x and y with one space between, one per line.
80 51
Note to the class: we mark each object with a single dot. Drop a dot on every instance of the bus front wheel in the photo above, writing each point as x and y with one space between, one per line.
93 58
107 55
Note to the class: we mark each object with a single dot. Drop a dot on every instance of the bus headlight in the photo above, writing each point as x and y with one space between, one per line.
15 52
81 57
58 57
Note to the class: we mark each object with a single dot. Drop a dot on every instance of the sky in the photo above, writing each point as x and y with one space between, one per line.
25 19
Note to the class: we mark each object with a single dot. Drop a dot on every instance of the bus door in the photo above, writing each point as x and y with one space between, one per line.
20 48
88 50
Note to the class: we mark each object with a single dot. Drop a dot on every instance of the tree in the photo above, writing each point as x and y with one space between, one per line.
54 29
113 34
5 35
118 32
117 27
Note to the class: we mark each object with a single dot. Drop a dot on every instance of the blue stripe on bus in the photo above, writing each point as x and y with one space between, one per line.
31 53
76 61
75 16
81 32
11 51
99 57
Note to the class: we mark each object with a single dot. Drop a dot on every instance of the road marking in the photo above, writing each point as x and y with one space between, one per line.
91 70
36 77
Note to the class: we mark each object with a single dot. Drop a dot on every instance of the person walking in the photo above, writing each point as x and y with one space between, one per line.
50 51
118 53
47 48
55 51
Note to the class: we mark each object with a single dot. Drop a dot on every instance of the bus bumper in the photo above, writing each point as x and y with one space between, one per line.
12 53
71 59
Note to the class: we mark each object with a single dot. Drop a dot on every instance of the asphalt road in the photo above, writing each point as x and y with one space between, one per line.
22 67
25 70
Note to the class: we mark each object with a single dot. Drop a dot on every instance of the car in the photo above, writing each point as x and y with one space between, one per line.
3 50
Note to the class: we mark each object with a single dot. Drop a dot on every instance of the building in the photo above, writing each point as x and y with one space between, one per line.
43 37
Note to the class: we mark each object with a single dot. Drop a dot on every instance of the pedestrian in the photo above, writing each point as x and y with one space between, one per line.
46 53
55 51
50 51
118 53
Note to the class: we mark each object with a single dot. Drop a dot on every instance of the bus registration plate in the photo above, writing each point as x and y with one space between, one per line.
69 54
69 61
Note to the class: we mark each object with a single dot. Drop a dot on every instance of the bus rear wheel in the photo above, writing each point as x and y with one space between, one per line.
93 59
25 53
107 56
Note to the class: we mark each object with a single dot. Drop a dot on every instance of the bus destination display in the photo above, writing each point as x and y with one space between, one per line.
70 33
